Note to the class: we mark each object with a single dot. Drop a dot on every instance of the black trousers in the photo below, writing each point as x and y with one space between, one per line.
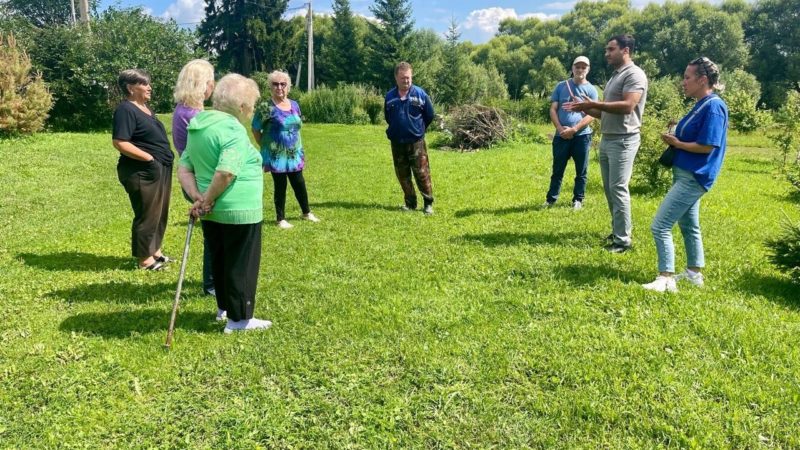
148 187
299 188
236 253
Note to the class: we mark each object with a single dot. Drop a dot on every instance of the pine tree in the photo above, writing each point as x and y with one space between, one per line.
386 40
345 46
246 35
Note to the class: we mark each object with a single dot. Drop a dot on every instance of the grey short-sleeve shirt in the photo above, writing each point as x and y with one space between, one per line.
628 78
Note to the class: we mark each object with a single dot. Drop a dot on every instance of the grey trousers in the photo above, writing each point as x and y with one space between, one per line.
617 153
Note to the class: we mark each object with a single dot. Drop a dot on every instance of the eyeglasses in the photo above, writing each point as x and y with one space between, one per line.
279 84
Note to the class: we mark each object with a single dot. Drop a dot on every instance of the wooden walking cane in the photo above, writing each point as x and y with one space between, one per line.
184 261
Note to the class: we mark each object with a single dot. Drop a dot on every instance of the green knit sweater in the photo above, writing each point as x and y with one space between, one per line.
218 142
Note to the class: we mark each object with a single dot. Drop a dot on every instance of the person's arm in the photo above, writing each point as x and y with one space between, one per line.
554 117
428 114
219 183
595 108
691 147
189 183
131 151
386 110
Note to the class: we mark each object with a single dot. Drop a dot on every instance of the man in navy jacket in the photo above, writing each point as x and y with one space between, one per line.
408 111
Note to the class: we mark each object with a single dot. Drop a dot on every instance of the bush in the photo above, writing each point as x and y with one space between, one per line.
347 104
665 103
742 92
785 250
82 66
471 127
24 99
528 109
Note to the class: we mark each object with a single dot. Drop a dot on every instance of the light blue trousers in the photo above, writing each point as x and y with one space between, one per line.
682 205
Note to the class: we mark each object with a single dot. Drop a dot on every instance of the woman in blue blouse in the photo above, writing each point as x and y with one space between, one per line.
276 127
699 140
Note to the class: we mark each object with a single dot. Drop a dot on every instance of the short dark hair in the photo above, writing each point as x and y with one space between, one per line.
402 67
132 76
625 40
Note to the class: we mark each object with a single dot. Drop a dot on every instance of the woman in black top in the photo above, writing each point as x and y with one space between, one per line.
144 168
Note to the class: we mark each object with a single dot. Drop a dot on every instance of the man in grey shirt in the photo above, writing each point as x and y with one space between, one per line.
620 115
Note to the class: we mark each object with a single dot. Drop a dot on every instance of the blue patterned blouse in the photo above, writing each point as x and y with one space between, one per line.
281 146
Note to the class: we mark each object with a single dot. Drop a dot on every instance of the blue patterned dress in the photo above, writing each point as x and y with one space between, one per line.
281 146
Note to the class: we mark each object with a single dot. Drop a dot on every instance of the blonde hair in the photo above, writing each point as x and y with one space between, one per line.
190 89
235 95
277 75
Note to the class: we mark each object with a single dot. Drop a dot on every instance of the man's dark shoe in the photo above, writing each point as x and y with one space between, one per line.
617 248
610 239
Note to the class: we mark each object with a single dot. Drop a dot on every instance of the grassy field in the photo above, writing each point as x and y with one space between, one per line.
492 324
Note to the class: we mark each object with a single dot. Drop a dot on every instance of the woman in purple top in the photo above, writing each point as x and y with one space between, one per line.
276 127
194 86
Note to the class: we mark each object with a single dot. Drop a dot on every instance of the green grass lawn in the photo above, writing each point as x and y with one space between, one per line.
492 324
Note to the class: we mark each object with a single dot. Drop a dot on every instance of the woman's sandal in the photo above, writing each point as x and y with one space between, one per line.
157 265
164 259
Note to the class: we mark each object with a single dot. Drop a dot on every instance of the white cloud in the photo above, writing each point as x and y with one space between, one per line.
487 20
560 5
185 11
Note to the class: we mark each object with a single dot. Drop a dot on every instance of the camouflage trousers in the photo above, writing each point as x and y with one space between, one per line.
413 159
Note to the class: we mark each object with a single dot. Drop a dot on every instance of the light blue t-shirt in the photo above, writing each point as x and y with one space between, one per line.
706 124
561 95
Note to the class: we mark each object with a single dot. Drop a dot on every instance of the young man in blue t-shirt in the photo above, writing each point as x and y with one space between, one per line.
573 133
408 111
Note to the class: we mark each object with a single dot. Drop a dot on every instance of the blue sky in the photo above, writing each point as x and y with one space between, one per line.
477 19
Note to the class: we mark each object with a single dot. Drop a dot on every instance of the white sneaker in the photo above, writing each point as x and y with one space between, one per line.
428 210
222 315
697 279
662 284
311 218
284 225
247 325
577 205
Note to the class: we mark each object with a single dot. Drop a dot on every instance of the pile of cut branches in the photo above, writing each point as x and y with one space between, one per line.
474 126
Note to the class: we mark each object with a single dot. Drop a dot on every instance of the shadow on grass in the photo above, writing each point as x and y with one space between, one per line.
589 275
505 239
124 324
124 292
356 205
775 289
76 261
498 211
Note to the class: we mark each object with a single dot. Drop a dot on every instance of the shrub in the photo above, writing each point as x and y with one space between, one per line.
527 109
82 66
347 104
788 129
665 103
785 250
742 92
24 99
472 127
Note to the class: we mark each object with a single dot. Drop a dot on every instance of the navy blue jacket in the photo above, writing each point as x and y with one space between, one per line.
408 119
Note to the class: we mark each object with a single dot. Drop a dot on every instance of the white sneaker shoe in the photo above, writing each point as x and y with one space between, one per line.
311 218
662 284
222 315
697 279
247 325
577 205
284 225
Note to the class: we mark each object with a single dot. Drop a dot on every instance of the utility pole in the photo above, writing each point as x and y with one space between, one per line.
84 8
310 26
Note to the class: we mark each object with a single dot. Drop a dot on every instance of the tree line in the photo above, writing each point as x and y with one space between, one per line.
524 59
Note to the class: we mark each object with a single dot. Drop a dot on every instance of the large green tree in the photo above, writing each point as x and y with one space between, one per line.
387 39
43 13
345 49
246 35
774 38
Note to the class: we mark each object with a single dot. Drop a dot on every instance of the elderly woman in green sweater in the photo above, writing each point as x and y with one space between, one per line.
221 171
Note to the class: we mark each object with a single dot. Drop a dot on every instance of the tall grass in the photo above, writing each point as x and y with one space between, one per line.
344 104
